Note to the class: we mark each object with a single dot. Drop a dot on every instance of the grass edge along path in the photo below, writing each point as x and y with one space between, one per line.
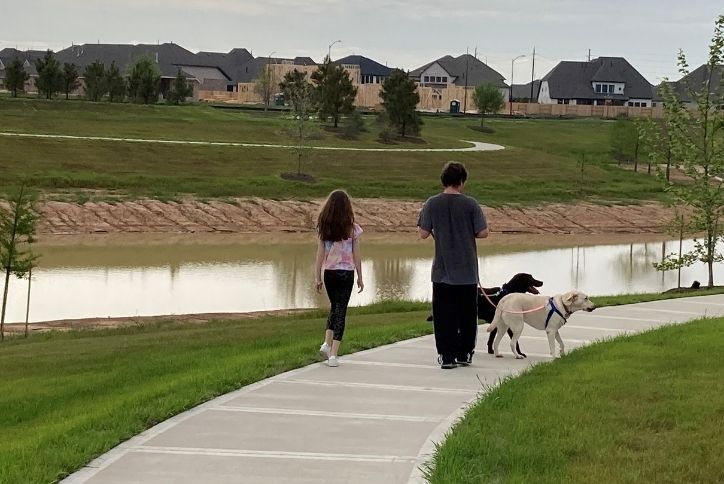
640 408
66 398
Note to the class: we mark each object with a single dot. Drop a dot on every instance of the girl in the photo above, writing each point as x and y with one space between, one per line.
338 255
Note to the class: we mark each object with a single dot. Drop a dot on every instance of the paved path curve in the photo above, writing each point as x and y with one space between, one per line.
476 145
372 420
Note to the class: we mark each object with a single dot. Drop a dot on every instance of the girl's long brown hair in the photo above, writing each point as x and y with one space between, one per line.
336 219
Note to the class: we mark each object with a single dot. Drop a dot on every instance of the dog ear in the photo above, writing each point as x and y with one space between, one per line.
569 297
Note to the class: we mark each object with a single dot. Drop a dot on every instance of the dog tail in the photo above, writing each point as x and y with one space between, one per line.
494 324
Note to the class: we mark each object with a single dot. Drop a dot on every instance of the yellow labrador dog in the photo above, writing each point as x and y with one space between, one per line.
548 314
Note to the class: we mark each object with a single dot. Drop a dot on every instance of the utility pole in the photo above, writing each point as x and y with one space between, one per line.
532 76
589 55
467 61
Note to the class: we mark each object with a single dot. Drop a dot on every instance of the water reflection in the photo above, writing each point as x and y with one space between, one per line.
75 282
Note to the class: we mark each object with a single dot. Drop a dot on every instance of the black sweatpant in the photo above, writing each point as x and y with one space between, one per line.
455 315
339 289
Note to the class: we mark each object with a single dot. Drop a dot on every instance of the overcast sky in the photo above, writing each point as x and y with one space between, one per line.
399 33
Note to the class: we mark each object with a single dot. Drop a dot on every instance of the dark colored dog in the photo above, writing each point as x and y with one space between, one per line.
520 282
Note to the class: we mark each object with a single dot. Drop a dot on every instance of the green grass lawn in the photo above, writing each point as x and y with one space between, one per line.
645 408
65 398
68 397
539 164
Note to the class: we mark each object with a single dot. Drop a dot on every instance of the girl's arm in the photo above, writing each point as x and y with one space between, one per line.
318 265
358 264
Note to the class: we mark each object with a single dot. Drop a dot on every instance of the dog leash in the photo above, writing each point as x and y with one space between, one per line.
508 311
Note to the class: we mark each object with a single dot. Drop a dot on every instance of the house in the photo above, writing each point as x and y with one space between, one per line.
364 70
601 81
695 81
449 80
526 92
464 71
169 57
28 58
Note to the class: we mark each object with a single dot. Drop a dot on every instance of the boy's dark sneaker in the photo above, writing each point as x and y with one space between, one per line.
446 365
466 360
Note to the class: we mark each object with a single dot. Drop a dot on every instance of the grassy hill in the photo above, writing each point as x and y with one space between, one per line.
539 164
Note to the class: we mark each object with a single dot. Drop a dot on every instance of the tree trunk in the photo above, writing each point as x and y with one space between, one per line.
27 306
636 156
482 121
5 301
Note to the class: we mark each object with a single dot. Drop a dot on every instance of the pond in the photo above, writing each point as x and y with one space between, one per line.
144 280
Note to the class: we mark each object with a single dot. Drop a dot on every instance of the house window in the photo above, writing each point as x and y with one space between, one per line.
637 104
598 88
438 79
643 105
611 88
444 79
426 79
630 104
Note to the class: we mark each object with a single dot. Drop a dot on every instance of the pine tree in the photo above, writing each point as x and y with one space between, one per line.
335 92
15 77
115 84
50 77
144 81
95 81
399 98
70 79
180 90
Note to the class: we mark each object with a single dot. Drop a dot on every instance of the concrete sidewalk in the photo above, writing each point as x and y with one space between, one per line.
372 420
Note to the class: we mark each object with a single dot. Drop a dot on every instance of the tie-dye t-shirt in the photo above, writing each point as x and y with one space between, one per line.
338 255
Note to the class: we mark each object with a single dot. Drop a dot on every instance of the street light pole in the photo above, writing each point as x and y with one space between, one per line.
510 93
329 50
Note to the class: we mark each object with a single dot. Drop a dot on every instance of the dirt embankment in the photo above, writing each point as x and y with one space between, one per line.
375 215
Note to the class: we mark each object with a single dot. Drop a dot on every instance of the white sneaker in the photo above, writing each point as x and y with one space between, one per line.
324 351
332 361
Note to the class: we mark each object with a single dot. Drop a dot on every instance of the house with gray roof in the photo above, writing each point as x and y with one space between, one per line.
526 92
169 57
601 81
464 70
695 82
371 71
28 58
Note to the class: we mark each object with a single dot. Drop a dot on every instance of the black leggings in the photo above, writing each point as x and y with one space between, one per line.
339 289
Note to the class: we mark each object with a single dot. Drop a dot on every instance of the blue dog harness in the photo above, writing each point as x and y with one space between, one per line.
554 310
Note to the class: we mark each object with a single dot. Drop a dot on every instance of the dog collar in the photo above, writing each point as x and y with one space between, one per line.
555 310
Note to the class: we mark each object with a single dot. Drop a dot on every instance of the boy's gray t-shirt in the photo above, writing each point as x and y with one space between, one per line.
453 221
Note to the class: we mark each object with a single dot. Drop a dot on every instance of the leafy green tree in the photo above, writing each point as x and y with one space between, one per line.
399 99
144 81
265 84
15 77
488 99
623 139
116 84
94 76
354 124
17 233
70 79
696 141
50 76
180 90
297 91
335 92
300 94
